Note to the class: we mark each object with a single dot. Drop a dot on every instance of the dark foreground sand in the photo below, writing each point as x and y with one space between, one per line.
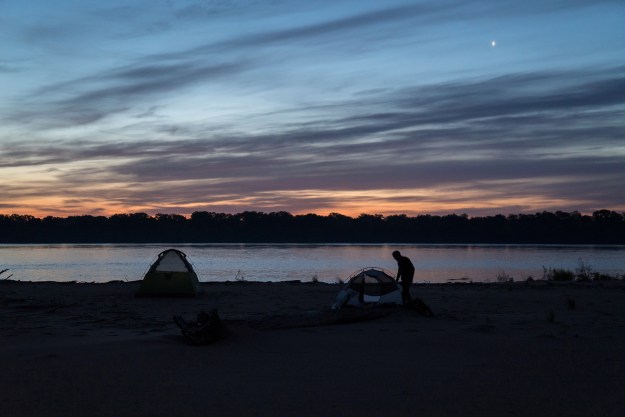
492 350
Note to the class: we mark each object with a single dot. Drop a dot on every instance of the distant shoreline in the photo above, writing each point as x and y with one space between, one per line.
602 227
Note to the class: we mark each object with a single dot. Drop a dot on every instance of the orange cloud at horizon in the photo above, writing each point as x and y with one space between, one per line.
322 202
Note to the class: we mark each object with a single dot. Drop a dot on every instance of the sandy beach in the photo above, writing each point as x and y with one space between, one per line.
522 349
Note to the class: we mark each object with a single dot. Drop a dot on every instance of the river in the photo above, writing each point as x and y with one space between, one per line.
284 262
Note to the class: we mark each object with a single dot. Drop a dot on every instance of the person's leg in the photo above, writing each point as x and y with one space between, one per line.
406 284
405 292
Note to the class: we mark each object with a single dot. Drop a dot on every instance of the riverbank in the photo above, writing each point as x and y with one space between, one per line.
539 349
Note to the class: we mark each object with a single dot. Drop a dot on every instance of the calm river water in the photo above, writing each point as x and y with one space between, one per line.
327 263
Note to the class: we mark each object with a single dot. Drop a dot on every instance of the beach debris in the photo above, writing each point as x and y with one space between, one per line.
206 329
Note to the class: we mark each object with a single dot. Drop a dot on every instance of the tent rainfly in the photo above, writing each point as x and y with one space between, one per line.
170 275
369 286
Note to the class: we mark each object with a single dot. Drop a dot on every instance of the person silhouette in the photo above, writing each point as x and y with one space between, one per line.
405 272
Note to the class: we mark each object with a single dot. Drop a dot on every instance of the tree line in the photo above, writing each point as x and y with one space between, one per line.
602 227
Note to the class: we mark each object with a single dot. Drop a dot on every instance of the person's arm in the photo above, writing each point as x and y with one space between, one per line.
399 270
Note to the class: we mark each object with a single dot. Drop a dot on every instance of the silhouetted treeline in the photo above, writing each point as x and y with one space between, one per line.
602 227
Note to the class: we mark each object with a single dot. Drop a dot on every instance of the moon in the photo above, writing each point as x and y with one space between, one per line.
493 43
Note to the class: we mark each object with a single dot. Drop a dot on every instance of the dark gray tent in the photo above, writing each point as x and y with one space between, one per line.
369 286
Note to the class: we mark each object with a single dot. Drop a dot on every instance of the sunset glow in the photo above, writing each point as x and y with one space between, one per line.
346 107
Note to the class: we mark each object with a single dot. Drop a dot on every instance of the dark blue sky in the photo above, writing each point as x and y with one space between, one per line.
354 107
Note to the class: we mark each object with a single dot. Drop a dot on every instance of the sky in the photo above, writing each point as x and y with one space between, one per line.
346 106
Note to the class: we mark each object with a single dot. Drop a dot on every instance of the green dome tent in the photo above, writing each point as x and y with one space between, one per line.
170 275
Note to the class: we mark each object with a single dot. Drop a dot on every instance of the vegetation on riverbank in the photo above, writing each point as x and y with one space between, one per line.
602 227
